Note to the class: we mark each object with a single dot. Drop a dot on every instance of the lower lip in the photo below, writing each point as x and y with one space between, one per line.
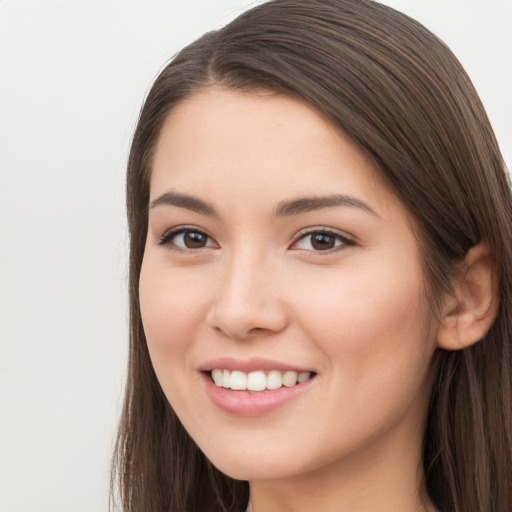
252 403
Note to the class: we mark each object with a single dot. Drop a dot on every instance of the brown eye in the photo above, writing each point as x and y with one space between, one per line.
321 241
194 240
187 239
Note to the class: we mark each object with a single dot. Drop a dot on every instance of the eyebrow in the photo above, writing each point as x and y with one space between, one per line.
184 201
308 204
283 209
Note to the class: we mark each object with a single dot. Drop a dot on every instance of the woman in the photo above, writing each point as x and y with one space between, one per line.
320 274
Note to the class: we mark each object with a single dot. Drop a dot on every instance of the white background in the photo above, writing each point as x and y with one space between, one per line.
73 75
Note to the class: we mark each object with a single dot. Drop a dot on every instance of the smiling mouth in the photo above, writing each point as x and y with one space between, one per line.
258 380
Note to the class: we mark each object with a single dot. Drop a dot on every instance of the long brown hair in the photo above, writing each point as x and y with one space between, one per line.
403 97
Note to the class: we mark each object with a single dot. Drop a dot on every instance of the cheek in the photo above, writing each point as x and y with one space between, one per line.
372 316
371 327
171 307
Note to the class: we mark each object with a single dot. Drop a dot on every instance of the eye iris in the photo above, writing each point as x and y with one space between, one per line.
194 240
322 241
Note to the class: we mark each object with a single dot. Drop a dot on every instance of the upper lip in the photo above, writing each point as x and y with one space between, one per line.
249 365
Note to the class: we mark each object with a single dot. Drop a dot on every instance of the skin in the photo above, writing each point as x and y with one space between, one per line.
355 314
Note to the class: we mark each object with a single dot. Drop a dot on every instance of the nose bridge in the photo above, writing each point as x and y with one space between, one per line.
246 300
241 271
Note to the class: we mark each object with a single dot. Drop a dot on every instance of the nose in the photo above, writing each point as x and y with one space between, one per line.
249 299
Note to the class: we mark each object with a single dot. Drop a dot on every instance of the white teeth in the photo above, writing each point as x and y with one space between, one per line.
302 377
257 381
238 380
274 380
290 379
217 377
226 379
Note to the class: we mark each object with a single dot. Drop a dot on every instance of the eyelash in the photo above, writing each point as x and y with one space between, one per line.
345 241
168 237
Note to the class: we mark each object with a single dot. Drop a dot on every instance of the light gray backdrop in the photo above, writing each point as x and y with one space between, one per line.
73 76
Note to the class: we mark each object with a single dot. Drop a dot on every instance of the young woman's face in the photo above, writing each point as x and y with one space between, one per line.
278 264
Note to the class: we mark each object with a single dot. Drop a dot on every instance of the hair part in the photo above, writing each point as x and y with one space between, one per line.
400 94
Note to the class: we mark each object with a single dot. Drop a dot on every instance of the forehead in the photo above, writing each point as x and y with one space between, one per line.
259 143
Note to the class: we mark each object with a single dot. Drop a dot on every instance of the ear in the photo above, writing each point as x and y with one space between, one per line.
470 312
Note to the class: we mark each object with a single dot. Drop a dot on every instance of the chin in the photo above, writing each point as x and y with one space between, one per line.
253 470
258 463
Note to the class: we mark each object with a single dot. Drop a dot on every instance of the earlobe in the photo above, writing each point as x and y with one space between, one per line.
471 311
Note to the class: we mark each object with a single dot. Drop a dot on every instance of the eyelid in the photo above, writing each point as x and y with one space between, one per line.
166 238
347 240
